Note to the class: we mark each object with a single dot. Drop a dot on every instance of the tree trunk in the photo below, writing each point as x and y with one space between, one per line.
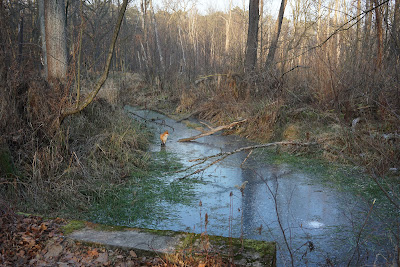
56 41
43 37
274 44
367 26
261 29
319 21
20 37
396 29
379 35
153 16
252 35
228 29
358 40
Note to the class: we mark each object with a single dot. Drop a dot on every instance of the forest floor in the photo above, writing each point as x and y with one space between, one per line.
35 241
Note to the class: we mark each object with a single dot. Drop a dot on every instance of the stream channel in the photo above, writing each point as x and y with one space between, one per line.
316 219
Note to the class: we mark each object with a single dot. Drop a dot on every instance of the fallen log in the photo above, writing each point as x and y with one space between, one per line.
212 131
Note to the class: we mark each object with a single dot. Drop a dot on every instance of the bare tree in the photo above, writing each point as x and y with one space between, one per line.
89 98
274 44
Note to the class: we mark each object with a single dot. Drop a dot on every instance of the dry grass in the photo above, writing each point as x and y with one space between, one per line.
70 167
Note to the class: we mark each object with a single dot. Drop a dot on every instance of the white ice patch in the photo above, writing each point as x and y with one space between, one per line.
315 224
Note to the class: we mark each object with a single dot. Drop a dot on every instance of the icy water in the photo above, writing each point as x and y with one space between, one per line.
277 204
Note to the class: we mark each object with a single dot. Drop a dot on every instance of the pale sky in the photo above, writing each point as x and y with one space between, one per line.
270 6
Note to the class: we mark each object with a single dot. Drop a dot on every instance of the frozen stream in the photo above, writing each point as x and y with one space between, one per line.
311 215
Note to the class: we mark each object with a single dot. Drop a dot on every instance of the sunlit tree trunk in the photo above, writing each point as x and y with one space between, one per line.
228 28
56 42
252 35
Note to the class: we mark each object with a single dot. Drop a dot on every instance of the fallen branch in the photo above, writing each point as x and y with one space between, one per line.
212 131
221 156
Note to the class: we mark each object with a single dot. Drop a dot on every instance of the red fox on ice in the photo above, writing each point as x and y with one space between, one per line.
163 138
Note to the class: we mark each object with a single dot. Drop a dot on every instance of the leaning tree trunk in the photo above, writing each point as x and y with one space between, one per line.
252 35
73 109
274 43
56 40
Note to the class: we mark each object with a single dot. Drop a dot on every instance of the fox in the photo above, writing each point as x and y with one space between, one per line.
163 138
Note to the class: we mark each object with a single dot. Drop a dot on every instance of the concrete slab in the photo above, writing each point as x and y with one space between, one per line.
146 241
130 239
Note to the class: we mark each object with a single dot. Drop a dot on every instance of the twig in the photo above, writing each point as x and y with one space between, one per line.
244 161
206 167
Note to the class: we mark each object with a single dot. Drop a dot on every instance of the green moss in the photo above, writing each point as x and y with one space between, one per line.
250 250
193 125
72 226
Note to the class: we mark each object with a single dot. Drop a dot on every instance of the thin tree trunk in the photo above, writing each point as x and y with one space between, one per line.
358 40
182 68
20 37
252 35
319 21
379 35
43 37
156 37
367 26
396 29
274 43
228 28
336 36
